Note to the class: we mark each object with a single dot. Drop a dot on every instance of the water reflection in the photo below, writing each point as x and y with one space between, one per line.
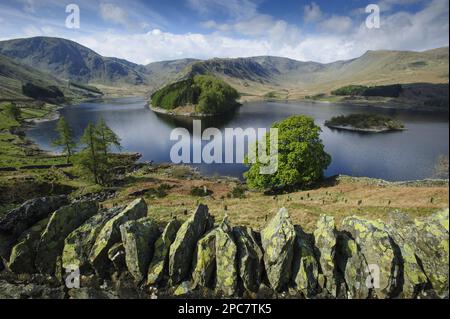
394 156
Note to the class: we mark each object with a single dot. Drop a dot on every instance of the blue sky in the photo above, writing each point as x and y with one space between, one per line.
147 31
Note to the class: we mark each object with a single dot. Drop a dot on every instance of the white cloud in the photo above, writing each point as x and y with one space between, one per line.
335 37
336 24
33 31
423 30
111 12
312 12
387 5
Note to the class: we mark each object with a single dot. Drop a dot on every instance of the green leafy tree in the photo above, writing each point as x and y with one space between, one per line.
301 157
13 111
107 136
65 138
92 156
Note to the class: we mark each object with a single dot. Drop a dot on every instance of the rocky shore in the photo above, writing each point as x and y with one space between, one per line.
53 248
365 130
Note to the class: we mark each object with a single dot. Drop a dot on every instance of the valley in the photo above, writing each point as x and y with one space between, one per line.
255 78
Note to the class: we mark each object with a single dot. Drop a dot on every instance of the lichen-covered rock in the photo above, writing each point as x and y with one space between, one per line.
159 265
18 220
381 257
182 249
325 239
61 224
116 254
431 247
183 289
306 267
23 254
352 277
138 238
278 239
250 258
205 260
412 279
110 234
226 260
78 245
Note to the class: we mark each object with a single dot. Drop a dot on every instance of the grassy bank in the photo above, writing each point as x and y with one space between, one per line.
340 197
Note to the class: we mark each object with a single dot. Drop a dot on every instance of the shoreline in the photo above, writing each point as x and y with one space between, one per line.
364 130
159 110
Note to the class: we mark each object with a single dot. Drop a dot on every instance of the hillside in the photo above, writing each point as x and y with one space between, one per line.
14 75
254 77
160 73
71 61
292 79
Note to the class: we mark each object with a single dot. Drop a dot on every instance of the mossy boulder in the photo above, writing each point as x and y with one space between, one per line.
351 274
431 247
159 265
61 224
402 230
204 266
278 239
226 260
78 245
110 234
18 220
306 267
250 258
23 254
182 249
138 238
325 237
383 262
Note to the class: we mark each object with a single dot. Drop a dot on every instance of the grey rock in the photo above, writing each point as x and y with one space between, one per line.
18 220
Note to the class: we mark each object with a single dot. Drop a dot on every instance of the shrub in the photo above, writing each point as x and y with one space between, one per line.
237 192
200 191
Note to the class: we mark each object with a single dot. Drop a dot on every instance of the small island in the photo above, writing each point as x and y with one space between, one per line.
197 96
367 123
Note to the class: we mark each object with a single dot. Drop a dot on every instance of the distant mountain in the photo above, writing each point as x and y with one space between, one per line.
256 75
71 61
253 77
160 73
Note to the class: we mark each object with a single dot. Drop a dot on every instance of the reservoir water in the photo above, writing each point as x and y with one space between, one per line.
407 155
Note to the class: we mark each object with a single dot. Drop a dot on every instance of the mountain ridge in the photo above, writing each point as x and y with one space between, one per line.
252 76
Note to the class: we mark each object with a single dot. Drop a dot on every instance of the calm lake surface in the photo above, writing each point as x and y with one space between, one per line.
407 155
